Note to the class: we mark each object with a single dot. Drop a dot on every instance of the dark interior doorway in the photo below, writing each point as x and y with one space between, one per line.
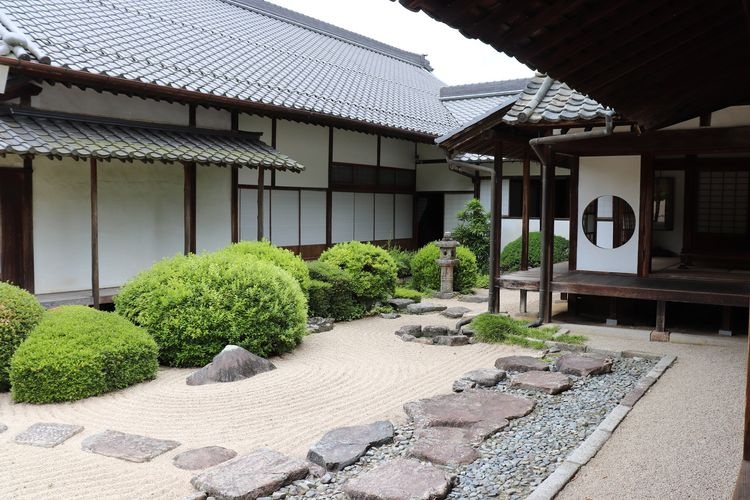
14 230
430 213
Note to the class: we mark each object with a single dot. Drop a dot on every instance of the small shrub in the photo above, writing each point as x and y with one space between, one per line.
371 269
285 259
402 258
20 312
426 272
407 293
195 305
510 259
78 352
483 281
473 232
494 328
332 293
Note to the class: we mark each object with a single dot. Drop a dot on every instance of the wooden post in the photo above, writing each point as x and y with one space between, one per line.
260 234
189 210
234 218
660 333
645 233
522 306
726 321
496 203
548 226
28 226
573 215
477 182
94 234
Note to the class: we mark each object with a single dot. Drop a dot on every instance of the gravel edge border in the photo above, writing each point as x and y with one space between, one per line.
579 457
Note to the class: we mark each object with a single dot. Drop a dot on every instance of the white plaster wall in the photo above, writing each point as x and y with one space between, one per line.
672 240
313 217
437 177
364 216
213 226
355 147
342 217
404 216
11 161
397 153
90 102
609 175
219 119
384 205
140 217
308 144
429 152
248 200
731 117
285 218
255 123
62 225
453 203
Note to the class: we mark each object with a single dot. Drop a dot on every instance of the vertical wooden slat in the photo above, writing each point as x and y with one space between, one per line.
329 193
661 316
235 205
548 226
525 212
27 221
94 233
477 183
645 233
261 190
496 204
574 218
189 207
191 115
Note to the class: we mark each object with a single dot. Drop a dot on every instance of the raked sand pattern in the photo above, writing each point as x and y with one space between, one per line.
358 373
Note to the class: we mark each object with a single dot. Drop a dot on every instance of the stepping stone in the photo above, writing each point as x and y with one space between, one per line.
467 330
434 330
318 325
202 458
389 315
462 384
474 299
345 445
47 435
400 479
583 366
251 476
444 446
424 307
549 382
129 447
415 330
484 377
451 340
231 364
400 304
481 413
455 312
521 364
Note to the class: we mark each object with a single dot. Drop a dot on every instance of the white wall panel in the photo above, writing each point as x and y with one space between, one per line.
11 161
213 216
364 212
384 229
219 119
437 177
355 147
254 123
342 217
453 203
429 152
249 214
285 218
397 153
731 117
308 144
313 217
404 216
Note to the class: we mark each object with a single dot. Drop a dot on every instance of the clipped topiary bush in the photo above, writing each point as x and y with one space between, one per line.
407 293
332 293
20 312
77 352
195 305
371 269
285 259
473 231
426 272
510 259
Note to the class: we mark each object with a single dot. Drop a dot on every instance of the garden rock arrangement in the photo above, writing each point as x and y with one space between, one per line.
521 364
319 325
345 445
231 364
400 304
400 478
432 335
455 312
424 308
583 366
482 377
545 381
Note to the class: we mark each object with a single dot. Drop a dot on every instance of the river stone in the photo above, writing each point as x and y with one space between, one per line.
251 476
202 458
407 338
415 330
400 479
549 382
129 447
475 299
455 312
434 330
389 315
485 377
231 364
47 435
481 412
400 304
583 366
345 445
444 446
319 325
424 307
451 340
521 364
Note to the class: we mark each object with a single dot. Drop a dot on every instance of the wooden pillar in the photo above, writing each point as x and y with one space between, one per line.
234 220
645 233
525 212
573 215
189 210
476 180
548 228
660 333
261 214
496 203
726 321
94 233
28 226
612 316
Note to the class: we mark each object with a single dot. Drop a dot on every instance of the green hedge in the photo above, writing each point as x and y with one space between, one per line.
195 305
402 258
332 293
285 259
510 259
407 293
473 231
20 312
371 269
426 272
77 352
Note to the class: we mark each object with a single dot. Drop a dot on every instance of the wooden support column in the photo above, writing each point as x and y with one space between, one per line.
548 228
573 215
27 217
476 180
645 233
496 203
726 321
234 220
522 306
189 207
660 333
261 215
94 233
612 316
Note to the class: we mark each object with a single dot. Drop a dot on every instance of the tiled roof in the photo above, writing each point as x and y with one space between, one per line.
467 102
24 131
484 89
243 49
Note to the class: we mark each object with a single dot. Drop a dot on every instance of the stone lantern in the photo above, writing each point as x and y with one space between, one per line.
447 261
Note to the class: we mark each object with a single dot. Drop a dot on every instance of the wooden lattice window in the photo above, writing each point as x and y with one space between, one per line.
723 202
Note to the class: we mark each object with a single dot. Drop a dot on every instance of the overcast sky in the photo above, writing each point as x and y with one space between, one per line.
456 59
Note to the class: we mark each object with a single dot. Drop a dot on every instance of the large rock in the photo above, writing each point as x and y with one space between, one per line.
231 364
202 458
414 330
434 330
47 435
521 364
444 446
481 413
129 447
400 479
455 312
251 476
424 307
451 340
345 445
319 325
400 304
484 377
549 382
583 366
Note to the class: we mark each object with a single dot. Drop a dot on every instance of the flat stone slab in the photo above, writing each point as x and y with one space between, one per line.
474 299
482 413
451 340
444 446
203 458
583 366
400 304
129 447
521 364
414 330
434 330
455 312
47 435
424 307
231 364
549 382
400 479
251 476
341 447
484 377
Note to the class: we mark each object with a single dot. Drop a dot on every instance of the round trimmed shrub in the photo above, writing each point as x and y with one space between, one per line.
20 312
285 259
78 352
371 269
195 305
510 258
332 293
426 272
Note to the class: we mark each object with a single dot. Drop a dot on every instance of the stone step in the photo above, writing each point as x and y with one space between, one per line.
343 446
128 447
400 479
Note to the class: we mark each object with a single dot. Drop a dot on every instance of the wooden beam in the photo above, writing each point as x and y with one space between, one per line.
189 207
525 212
27 221
94 233
496 204
261 215
573 215
645 225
